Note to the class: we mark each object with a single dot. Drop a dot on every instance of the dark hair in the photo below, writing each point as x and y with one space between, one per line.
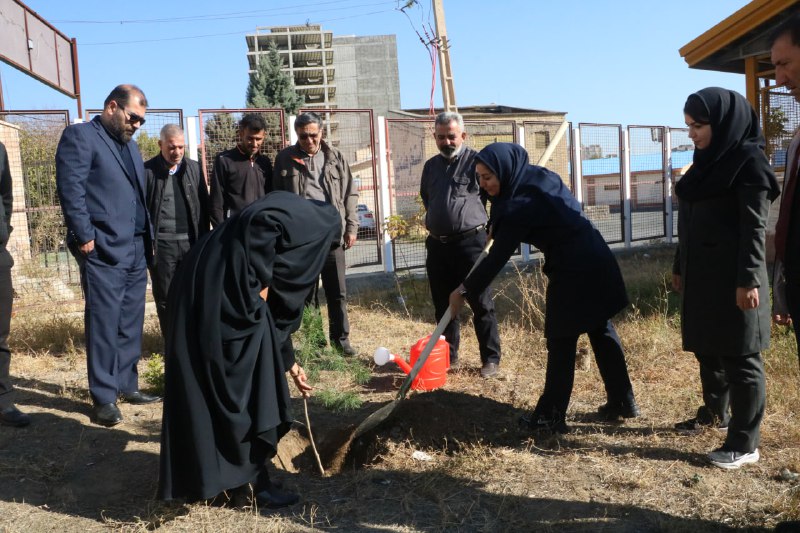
696 108
121 94
304 119
791 27
253 122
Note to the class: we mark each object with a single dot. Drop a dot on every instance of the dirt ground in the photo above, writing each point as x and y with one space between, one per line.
453 459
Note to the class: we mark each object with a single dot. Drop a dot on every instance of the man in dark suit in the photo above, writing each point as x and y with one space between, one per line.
100 179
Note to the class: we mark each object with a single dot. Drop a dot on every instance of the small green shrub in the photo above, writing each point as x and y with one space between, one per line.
153 373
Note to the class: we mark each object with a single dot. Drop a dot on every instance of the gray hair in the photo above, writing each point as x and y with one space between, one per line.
170 130
304 119
445 118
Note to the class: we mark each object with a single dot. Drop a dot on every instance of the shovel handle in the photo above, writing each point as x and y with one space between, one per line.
446 317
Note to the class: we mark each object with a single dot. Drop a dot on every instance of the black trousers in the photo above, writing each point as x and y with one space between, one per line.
6 301
736 383
168 255
447 265
560 374
333 283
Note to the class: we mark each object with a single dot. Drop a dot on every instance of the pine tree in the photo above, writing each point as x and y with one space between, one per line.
270 87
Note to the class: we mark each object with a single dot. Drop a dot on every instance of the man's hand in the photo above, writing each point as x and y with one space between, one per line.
456 301
783 320
677 285
349 240
86 247
746 299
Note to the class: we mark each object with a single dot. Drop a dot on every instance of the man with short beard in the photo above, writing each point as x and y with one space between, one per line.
242 174
456 222
100 181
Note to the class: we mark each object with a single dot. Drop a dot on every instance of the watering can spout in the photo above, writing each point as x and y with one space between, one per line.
383 356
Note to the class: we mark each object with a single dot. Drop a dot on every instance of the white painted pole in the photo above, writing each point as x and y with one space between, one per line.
384 196
292 133
524 247
192 137
668 185
576 163
625 168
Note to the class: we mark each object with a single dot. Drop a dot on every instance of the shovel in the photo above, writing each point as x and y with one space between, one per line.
373 420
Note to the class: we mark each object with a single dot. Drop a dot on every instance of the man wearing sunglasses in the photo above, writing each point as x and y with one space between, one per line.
100 179
317 171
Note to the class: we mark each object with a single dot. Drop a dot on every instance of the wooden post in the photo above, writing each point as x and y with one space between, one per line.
448 87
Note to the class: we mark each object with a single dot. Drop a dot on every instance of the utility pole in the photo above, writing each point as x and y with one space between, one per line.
448 86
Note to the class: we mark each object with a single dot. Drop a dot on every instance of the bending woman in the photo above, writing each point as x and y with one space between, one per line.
585 288
720 267
226 402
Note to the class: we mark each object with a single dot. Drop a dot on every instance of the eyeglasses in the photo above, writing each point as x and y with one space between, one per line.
133 118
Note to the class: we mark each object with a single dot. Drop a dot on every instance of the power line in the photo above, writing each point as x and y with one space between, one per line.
227 16
222 34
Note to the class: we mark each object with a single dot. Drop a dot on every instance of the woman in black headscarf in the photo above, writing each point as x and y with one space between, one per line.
226 401
585 288
720 267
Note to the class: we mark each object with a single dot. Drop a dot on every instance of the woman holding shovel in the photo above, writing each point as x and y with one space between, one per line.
585 288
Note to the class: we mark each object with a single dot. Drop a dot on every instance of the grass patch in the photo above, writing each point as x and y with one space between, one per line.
153 373
338 401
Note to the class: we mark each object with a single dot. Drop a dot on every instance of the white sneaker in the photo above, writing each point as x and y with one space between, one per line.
730 460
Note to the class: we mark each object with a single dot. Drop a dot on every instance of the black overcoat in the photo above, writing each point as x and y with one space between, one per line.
585 287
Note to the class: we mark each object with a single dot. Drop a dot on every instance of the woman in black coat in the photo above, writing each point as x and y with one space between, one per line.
720 267
585 288
226 401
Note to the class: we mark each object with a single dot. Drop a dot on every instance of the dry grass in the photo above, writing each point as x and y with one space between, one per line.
484 474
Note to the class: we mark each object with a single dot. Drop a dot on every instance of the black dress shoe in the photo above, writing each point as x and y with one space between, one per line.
139 398
274 497
11 416
107 415
621 409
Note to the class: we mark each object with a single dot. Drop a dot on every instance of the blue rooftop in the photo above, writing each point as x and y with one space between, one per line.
639 163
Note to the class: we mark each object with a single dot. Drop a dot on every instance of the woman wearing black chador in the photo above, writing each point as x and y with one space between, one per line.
720 268
226 401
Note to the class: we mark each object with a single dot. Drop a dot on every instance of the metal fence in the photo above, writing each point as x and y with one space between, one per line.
44 271
623 177
352 132
601 172
410 144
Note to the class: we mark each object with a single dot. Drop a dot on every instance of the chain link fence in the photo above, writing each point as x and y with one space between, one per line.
648 169
601 149
44 271
352 132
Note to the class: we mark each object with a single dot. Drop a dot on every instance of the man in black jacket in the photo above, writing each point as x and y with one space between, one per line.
242 174
9 414
177 198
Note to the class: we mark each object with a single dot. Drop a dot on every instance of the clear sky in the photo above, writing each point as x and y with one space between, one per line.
604 61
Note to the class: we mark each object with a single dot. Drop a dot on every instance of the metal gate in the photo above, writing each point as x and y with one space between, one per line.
648 170
601 170
44 270
352 132
410 143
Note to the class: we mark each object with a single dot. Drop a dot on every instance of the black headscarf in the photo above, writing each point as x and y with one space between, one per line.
736 141
226 401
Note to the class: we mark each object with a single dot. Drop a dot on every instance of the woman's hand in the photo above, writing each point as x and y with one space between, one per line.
300 380
264 292
457 301
677 286
746 298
